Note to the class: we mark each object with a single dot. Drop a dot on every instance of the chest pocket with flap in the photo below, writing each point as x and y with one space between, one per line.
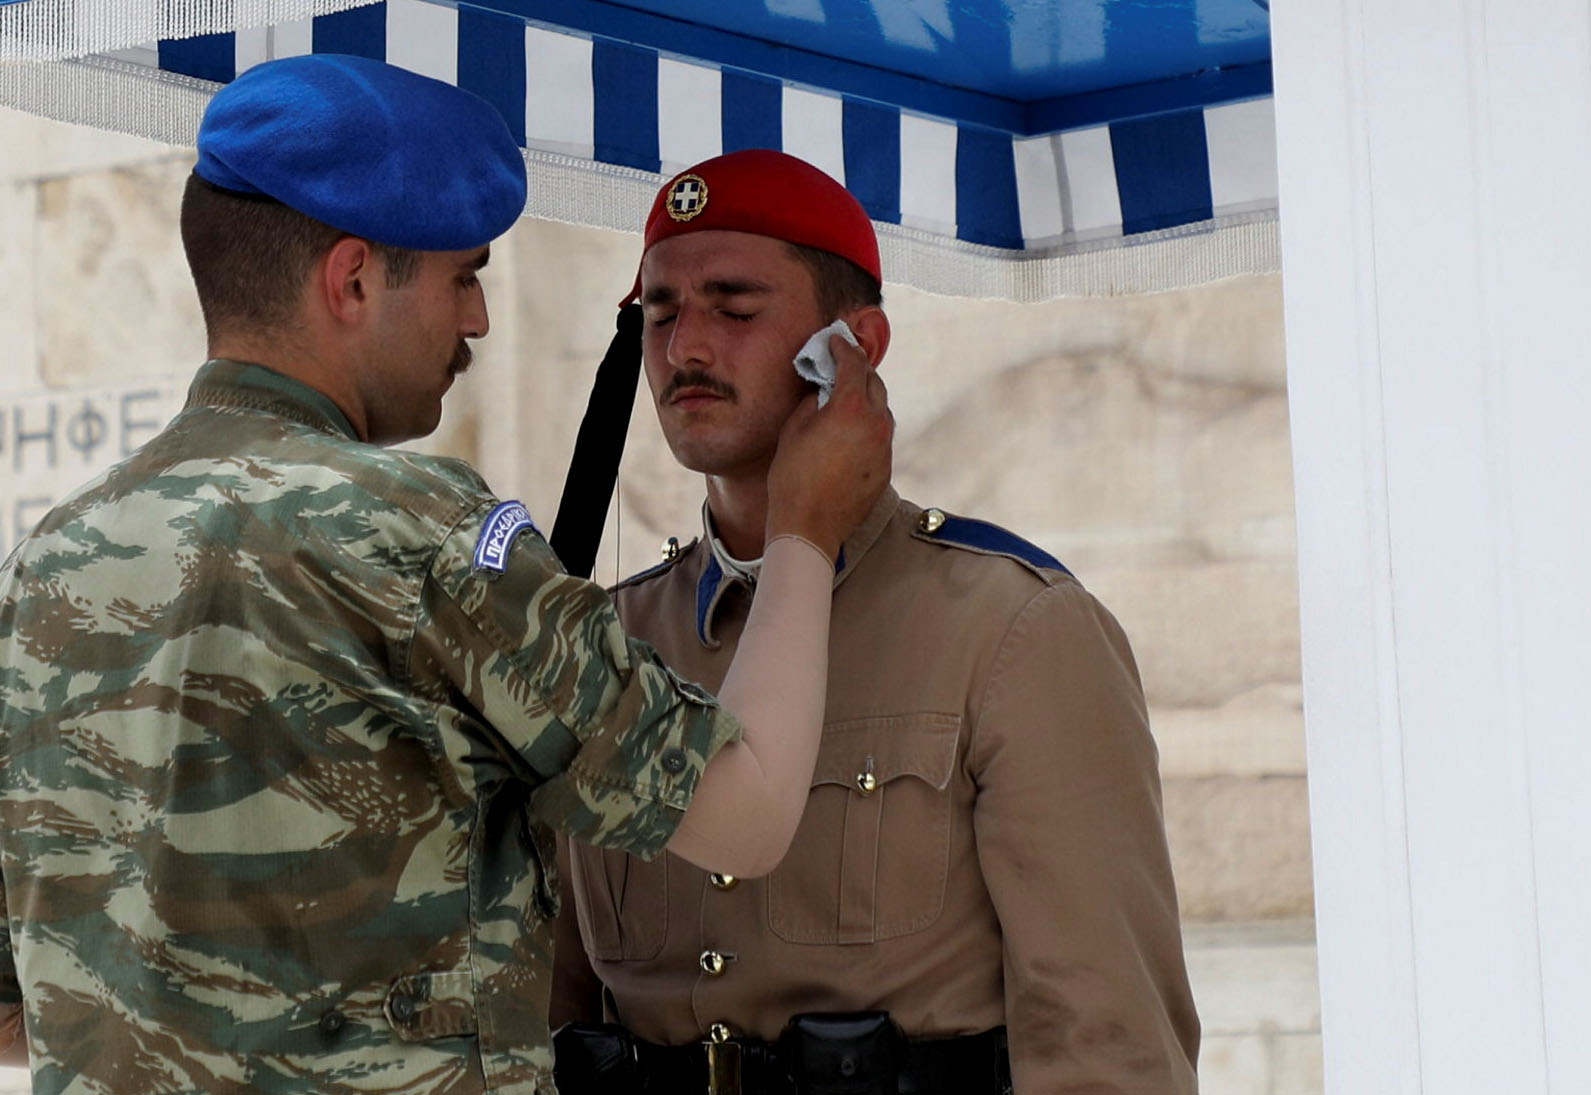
869 860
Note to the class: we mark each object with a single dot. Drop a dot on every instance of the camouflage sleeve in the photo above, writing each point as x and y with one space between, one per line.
10 987
614 739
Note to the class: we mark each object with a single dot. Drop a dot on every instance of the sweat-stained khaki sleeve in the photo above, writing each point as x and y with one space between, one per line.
1071 842
614 740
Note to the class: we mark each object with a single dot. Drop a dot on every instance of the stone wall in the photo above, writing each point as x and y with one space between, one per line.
1143 440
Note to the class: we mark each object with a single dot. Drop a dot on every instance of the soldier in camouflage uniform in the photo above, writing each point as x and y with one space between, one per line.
286 717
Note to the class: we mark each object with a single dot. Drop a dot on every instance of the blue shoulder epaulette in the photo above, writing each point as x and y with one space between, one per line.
673 553
944 528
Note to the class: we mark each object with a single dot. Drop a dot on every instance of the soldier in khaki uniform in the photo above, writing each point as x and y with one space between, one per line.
979 896
287 717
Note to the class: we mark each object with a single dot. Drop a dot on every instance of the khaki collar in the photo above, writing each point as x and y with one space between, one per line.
716 577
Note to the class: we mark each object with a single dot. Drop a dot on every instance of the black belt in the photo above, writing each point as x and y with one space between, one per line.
823 1054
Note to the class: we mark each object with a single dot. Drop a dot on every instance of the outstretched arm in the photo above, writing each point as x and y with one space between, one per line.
831 466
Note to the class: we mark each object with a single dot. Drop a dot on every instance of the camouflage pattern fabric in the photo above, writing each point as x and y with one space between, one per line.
278 763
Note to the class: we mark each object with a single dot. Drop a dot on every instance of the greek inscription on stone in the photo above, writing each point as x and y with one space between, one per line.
85 431
53 442
26 513
152 414
26 432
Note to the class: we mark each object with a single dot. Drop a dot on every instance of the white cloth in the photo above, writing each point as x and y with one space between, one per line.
814 362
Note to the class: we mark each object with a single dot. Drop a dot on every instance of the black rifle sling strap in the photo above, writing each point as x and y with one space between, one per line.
594 467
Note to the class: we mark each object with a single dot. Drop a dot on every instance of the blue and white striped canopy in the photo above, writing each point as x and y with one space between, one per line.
1176 195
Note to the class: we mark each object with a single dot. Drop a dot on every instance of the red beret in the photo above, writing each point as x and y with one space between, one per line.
768 193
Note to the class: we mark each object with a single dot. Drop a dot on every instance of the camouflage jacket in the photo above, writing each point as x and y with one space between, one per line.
285 719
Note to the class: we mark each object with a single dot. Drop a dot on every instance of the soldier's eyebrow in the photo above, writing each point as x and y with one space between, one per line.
717 287
735 287
478 260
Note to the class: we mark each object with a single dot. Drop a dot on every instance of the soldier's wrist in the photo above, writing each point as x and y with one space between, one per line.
825 543
828 556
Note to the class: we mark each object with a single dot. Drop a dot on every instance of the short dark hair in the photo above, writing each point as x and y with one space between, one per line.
249 256
841 285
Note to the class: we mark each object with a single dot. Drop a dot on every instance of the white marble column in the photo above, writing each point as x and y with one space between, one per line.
1435 166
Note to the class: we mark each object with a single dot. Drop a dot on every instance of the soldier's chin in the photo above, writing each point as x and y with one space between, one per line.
707 459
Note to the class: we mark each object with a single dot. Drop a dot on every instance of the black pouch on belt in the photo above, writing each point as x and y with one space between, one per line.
596 1059
857 1053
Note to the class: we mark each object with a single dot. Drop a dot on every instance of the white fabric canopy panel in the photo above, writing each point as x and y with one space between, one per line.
1138 206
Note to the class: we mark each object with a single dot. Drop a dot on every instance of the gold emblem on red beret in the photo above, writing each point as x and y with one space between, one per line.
687 197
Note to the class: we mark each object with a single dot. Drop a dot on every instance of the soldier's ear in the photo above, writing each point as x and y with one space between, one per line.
342 278
871 327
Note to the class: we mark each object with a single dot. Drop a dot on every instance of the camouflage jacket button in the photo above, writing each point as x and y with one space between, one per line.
332 1022
402 1008
696 693
674 761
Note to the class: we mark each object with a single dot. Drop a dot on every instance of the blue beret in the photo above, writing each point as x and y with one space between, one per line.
369 148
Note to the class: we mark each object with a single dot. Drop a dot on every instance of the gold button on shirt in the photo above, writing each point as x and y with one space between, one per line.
982 843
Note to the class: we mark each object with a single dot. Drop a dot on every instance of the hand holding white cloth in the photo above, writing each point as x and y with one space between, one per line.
815 362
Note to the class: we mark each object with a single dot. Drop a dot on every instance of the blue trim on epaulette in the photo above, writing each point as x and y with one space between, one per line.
706 586
650 572
983 536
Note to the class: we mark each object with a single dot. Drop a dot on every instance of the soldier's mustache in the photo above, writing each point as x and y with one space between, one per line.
461 358
696 379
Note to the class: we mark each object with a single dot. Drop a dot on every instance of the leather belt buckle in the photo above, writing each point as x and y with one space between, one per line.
723 1067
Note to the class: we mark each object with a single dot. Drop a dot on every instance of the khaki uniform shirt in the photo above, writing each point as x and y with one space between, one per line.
284 719
983 843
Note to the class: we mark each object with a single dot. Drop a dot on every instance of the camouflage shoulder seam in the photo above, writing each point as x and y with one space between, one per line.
456 472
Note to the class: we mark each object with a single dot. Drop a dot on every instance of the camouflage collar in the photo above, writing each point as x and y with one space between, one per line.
224 383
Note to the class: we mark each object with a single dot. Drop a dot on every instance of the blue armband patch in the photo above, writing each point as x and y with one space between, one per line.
505 522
